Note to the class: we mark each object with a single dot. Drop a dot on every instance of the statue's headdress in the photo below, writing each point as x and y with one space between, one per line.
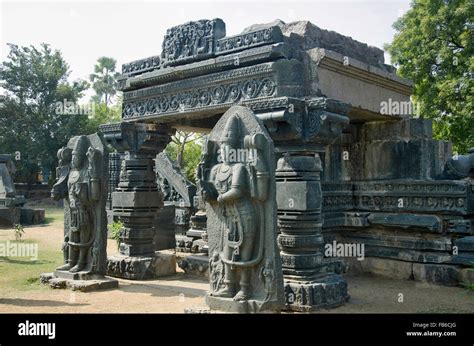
231 133
81 146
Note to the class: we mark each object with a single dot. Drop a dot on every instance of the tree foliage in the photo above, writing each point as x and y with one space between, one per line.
40 110
185 148
34 82
434 47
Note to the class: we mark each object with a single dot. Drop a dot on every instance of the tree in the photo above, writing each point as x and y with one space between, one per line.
104 80
104 115
185 148
434 47
35 83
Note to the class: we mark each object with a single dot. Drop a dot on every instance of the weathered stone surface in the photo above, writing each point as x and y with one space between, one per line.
465 244
89 285
7 188
429 223
310 283
399 239
137 199
448 197
305 35
245 269
355 82
414 159
197 265
11 204
465 259
173 184
381 266
115 163
388 150
441 274
184 243
324 292
82 184
408 255
460 166
142 267
46 277
466 276
164 235
30 216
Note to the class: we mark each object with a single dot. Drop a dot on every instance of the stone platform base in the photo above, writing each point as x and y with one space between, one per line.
319 293
242 307
78 282
10 216
142 267
439 274
30 216
197 265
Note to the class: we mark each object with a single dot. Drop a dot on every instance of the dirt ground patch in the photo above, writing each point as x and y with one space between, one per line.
20 292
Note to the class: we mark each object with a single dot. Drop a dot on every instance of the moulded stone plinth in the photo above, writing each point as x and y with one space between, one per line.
78 281
197 265
142 267
242 307
328 291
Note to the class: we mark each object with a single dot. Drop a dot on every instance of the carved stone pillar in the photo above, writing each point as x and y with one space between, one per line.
301 129
115 162
310 282
137 199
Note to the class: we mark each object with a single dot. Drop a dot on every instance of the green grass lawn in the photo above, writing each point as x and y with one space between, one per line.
53 214
22 273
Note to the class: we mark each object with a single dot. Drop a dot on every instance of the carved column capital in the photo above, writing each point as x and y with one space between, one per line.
138 139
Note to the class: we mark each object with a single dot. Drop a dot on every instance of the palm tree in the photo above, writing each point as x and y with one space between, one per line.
104 80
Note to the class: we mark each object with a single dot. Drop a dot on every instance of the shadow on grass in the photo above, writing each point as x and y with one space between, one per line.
34 302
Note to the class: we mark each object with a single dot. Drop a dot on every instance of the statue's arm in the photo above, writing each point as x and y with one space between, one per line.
239 178
59 190
208 191
95 159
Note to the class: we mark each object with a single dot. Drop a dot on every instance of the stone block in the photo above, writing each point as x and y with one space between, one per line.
390 268
403 130
466 276
465 244
441 274
308 192
164 234
142 267
465 259
32 216
197 265
430 223
73 282
9 216
404 159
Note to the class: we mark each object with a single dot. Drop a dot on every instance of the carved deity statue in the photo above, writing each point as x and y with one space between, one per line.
239 215
81 184
235 181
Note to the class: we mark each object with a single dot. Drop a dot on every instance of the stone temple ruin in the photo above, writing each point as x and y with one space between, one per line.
12 209
332 164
